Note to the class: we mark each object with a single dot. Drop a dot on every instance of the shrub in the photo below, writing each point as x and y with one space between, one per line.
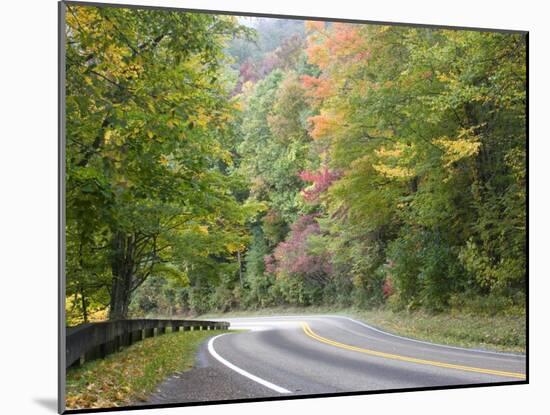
200 299
489 305
425 269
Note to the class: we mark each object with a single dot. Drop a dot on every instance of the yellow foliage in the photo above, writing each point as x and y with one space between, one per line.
397 172
384 152
203 119
99 315
248 88
200 119
202 229
393 162
234 247
239 104
95 314
107 136
457 149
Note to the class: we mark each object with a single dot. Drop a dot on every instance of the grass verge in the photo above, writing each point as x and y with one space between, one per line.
130 376
500 333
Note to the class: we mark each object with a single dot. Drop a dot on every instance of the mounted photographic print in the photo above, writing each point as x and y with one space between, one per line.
259 207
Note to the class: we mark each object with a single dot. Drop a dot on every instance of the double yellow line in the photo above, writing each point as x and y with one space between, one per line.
313 335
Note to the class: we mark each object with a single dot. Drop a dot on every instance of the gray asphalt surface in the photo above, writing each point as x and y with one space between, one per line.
278 351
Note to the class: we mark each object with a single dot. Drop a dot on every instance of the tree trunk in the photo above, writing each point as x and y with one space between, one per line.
80 284
122 270
240 268
84 304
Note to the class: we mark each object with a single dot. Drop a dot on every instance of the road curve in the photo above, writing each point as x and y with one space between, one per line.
301 355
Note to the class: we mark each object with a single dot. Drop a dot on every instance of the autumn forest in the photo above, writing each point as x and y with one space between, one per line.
217 163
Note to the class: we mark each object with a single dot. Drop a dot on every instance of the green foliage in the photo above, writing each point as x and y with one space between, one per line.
159 296
428 130
424 269
200 299
149 189
296 292
190 156
273 151
493 304
257 282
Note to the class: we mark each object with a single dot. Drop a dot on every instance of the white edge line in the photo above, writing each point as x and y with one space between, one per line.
429 343
386 333
241 371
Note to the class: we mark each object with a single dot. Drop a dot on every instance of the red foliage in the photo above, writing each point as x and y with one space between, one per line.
387 288
292 256
268 64
247 72
321 182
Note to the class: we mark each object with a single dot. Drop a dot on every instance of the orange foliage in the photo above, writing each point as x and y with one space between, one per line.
344 40
317 87
314 26
318 54
324 124
345 33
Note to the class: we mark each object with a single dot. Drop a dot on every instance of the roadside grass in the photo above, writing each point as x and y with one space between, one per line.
499 333
129 376
505 333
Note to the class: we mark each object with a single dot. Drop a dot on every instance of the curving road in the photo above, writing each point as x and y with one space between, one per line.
303 355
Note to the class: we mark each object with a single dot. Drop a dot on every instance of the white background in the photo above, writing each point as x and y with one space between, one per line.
28 203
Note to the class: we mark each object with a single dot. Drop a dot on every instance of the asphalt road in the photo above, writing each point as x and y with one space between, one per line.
304 355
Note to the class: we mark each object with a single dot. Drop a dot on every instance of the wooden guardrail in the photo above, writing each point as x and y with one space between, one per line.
96 340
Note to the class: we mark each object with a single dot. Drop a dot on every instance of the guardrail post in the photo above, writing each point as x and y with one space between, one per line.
136 336
123 340
93 353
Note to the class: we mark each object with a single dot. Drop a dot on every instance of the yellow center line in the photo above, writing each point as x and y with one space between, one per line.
312 334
